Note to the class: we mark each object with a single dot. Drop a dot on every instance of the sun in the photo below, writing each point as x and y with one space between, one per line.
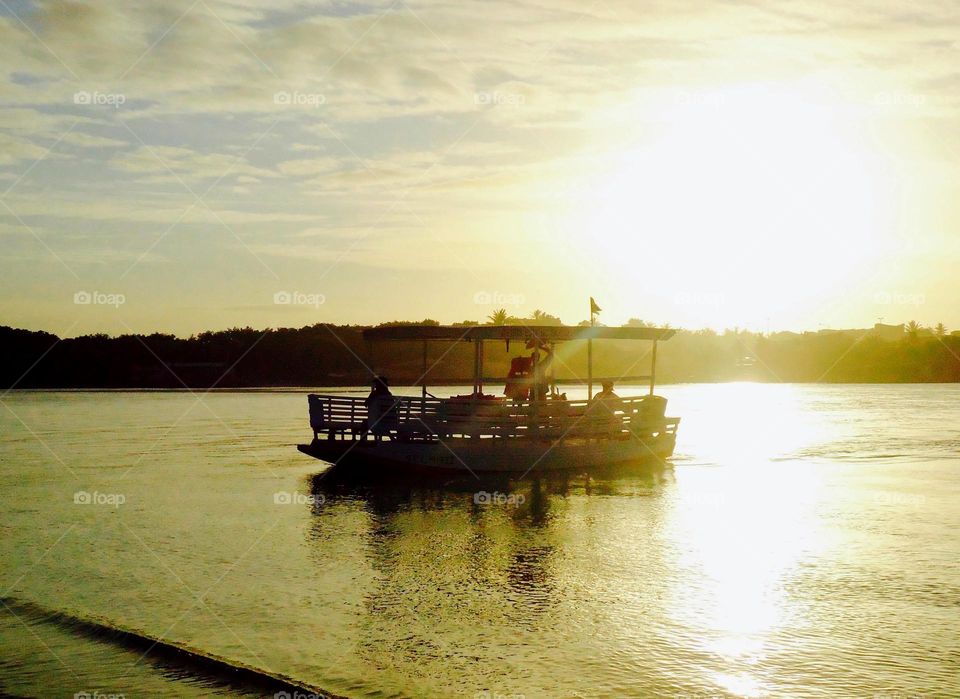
737 203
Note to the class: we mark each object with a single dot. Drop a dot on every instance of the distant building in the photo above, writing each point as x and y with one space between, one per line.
889 332
853 332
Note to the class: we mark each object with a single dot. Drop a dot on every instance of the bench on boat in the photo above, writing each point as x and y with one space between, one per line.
342 415
335 415
423 418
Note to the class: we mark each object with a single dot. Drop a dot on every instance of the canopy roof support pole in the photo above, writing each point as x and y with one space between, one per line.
589 369
553 369
476 366
480 366
653 367
423 379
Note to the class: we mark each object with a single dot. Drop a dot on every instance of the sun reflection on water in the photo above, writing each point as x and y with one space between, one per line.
750 423
742 530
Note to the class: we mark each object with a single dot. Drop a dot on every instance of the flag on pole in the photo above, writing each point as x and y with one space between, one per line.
594 308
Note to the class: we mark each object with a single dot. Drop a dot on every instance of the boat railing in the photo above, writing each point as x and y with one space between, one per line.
429 419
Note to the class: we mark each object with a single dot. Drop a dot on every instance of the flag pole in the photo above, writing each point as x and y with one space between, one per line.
590 357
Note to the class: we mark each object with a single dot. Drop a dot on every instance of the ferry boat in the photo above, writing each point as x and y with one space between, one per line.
529 428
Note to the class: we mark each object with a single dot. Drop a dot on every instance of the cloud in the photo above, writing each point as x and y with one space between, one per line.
411 122
14 150
179 162
309 166
87 140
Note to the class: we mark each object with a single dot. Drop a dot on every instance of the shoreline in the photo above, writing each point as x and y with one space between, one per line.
355 387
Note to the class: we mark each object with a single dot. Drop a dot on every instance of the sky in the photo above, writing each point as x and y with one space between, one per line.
185 166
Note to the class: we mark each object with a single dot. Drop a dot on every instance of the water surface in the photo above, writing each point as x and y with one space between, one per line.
804 542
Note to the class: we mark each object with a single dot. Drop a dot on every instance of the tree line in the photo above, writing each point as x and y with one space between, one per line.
337 355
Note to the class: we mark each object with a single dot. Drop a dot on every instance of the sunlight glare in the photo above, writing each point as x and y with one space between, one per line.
760 187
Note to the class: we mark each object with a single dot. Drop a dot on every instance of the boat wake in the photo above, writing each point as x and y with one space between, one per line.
174 659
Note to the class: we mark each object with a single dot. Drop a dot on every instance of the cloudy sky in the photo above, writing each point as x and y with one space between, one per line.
181 166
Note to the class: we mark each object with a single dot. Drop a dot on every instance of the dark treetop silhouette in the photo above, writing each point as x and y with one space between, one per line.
331 355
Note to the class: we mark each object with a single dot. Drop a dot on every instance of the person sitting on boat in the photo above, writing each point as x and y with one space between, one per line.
517 386
607 393
381 408
604 407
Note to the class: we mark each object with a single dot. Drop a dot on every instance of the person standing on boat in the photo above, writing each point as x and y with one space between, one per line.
541 365
381 408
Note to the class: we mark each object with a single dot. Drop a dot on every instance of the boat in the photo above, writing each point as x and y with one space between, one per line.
528 429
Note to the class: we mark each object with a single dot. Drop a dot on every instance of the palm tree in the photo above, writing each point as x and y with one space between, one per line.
940 330
498 317
913 327
538 314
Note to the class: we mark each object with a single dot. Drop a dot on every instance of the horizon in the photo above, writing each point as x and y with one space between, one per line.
720 331
743 167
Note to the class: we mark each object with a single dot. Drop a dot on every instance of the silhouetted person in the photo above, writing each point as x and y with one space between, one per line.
517 386
381 408
542 364
379 387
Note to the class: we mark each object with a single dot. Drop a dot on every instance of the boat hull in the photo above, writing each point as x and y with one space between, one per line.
491 455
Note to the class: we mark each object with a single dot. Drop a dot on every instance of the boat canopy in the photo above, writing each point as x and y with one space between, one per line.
536 336
542 333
